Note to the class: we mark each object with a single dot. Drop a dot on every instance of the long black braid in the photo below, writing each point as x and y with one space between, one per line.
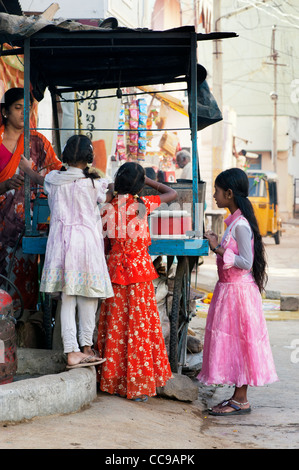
237 180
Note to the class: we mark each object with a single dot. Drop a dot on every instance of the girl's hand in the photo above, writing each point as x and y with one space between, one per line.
25 165
213 242
212 237
14 182
109 193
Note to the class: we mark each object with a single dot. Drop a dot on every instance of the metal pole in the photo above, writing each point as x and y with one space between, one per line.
193 97
217 129
56 122
274 97
27 131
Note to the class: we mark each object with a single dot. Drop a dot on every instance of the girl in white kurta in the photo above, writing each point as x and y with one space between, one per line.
74 262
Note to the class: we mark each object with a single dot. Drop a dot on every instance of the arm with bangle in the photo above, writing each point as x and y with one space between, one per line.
167 194
213 242
25 165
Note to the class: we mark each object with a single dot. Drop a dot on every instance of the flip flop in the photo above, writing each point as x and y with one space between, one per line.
95 353
236 410
142 398
86 362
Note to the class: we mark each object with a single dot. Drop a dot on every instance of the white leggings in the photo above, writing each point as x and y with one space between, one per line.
87 308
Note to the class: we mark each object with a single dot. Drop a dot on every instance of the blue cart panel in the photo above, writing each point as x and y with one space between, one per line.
179 247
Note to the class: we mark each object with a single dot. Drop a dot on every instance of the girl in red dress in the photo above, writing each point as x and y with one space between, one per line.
129 333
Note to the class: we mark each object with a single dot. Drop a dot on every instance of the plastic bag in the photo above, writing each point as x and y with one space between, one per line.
208 111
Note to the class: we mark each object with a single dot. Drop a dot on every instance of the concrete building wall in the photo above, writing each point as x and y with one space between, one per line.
248 81
68 8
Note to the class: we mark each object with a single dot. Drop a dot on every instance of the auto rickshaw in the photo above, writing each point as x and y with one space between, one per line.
263 196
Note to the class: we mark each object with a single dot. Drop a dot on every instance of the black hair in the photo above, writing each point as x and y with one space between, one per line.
129 179
79 149
10 97
150 173
237 180
161 176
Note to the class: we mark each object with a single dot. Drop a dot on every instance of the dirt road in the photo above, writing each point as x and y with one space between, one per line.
114 423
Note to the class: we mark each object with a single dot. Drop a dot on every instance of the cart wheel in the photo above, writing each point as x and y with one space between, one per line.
179 316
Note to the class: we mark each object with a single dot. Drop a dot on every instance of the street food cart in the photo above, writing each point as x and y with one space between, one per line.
68 57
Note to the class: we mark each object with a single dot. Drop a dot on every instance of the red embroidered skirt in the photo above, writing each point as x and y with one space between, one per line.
130 338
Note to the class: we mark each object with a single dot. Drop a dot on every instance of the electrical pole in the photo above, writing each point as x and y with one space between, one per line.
217 129
274 97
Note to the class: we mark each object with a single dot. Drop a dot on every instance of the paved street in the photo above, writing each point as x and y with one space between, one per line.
274 421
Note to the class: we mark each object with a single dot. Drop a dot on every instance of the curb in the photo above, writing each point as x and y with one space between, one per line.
56 393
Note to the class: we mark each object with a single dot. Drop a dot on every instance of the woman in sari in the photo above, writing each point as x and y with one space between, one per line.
20 268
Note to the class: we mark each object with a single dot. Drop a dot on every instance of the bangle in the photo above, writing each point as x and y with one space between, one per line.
216 248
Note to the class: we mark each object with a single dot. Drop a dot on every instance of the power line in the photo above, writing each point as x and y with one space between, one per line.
269 13
286 15
265 92
251 81
264 45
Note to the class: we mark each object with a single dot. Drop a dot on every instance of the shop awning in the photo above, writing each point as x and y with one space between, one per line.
165 97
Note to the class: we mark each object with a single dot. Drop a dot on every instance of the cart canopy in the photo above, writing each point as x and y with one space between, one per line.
76 57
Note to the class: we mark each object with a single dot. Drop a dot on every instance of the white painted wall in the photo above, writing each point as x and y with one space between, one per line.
247 76
69 9
130 13
248 80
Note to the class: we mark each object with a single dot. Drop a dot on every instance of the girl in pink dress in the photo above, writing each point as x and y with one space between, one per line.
236 346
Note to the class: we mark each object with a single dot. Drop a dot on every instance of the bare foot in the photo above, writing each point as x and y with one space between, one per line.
75 358
88 350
